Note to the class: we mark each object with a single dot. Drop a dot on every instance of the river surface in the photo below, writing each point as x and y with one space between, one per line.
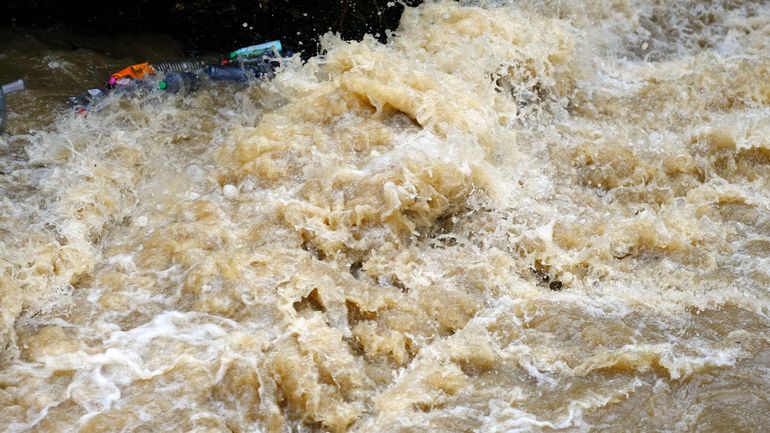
538 216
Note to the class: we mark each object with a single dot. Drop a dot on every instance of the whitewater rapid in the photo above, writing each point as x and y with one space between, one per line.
527 216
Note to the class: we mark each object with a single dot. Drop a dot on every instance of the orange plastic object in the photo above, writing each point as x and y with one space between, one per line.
137 71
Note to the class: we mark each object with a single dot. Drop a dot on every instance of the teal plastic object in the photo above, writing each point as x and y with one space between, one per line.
256 50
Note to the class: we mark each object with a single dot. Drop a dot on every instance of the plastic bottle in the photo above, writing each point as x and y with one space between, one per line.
262 65
265 67
228 73
86 99
15 86
130 85
179 81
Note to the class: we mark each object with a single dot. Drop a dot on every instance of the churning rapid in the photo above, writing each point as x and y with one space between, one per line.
540 216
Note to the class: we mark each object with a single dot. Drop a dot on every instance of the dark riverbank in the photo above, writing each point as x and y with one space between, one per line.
204 25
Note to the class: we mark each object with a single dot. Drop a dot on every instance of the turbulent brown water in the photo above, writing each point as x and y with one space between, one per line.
540 216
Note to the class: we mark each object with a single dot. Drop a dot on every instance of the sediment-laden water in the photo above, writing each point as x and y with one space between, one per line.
539 216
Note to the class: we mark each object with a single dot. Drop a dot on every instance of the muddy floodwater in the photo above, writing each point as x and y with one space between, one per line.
511 217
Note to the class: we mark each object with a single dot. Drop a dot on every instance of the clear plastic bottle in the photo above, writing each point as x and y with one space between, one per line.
175 82
131 85
228 73
5 89
86 100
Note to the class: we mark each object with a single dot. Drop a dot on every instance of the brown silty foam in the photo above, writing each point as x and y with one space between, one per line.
528 217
